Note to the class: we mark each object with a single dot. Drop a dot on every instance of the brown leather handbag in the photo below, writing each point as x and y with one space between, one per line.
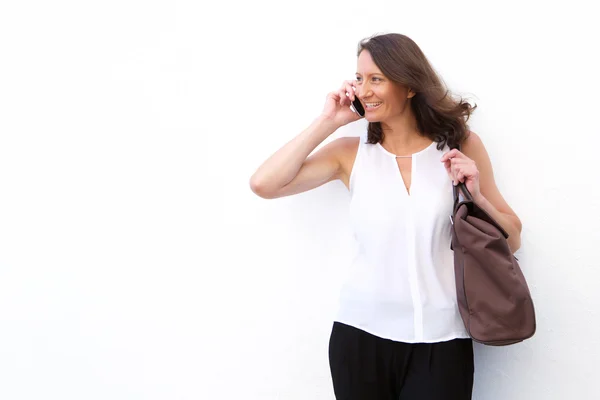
493 296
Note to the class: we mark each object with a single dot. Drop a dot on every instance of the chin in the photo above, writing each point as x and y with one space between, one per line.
372 119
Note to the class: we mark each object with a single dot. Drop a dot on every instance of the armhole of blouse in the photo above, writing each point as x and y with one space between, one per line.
361 140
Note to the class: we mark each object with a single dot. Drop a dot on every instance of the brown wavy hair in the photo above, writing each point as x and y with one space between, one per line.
439 116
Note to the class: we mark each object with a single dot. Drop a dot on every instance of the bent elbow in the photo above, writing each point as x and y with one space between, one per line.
258 188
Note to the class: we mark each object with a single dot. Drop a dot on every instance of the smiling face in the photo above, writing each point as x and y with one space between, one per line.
382 98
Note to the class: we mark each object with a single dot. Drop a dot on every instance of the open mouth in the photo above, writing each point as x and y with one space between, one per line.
373 106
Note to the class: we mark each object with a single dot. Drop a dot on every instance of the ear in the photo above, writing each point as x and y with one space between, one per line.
411 94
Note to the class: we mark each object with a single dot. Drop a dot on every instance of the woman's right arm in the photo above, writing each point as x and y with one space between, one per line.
288 171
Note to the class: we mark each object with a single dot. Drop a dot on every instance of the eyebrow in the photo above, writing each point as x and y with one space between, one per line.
374 73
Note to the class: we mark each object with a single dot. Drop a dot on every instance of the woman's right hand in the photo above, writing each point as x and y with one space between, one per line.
337 105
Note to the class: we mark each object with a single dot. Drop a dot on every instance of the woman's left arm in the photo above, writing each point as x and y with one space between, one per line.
473 167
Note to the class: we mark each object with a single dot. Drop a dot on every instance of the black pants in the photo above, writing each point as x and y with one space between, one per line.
367 367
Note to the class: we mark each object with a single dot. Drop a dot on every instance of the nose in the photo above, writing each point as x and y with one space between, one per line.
363 91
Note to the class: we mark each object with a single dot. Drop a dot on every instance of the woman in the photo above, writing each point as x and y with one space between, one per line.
398 332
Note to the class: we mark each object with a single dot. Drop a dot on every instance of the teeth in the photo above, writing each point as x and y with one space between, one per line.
371 105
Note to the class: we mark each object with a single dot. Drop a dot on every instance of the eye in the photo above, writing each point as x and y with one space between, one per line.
376 79
358 79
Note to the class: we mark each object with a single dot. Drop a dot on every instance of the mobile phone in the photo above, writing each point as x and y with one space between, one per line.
357 107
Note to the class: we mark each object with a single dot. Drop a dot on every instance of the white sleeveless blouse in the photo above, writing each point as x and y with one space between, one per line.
401 285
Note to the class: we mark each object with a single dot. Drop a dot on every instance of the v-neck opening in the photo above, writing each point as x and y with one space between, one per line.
409 191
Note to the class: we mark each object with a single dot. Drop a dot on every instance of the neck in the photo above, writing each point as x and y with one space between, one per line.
401 135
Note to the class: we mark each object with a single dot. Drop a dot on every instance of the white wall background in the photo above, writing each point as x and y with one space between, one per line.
135 262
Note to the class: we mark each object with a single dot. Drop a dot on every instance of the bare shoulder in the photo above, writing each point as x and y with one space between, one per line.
473 147
341 149
347 145
347 141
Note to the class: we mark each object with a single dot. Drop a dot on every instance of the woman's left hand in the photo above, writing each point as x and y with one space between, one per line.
461 168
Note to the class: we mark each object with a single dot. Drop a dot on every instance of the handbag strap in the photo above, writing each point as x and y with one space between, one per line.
461 187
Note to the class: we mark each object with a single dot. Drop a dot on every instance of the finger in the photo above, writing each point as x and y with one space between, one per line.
447 165
335 96
343 98
348 94
448 155
345 84
454 177
350 89
459 161
345 95
454 153
345 92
